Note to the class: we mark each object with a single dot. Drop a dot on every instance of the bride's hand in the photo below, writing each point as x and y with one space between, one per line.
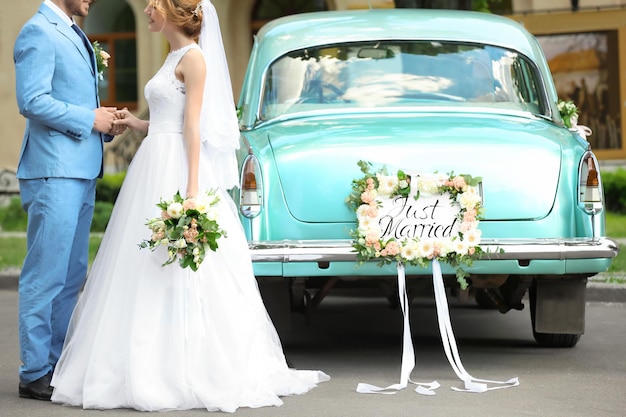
191 192
124 118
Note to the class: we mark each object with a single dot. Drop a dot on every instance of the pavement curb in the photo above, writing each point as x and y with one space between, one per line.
596 291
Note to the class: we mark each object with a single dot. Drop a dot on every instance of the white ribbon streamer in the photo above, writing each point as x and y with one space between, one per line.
450 348
449 342
408 354
583 131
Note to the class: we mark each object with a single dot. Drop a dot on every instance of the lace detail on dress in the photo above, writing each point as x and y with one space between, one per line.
166 95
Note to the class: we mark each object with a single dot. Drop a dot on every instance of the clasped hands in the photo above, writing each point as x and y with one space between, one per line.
104 121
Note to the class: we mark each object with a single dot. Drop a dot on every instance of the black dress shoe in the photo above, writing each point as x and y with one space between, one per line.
39 389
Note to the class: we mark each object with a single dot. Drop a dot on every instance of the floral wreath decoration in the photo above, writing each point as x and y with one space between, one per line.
460 250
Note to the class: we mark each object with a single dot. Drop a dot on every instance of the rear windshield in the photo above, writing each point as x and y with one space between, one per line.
401 73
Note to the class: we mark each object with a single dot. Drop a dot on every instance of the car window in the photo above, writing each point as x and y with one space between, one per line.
394 73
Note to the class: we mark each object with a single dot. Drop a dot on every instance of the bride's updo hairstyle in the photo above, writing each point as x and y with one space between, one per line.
186 14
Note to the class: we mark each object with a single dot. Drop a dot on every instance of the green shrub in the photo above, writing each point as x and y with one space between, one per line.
614 184
13 217
101 213
108 187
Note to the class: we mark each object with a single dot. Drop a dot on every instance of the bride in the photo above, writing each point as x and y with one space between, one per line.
149 337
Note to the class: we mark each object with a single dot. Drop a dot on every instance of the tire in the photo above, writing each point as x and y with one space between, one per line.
556 340
552 340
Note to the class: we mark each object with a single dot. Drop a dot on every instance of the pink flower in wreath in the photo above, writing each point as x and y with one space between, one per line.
372 240
459 183
370 184
467 227
437 248
368 196
372 210
391 249
469 215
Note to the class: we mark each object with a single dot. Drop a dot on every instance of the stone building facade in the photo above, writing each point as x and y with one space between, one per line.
123 21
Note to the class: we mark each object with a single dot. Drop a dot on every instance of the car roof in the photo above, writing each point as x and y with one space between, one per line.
296 32
319 28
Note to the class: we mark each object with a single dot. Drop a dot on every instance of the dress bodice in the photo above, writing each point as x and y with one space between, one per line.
166 95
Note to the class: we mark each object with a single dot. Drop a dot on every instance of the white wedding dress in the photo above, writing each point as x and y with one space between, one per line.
149 337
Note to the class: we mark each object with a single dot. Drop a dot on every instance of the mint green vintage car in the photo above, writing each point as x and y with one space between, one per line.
430 91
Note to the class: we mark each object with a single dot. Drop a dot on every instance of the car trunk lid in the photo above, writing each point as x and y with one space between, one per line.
317 159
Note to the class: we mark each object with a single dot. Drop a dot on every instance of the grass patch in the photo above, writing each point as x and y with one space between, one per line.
616 228
619 279
13 250
616 225
619 262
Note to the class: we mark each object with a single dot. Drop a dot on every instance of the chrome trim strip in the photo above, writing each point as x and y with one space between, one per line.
496 249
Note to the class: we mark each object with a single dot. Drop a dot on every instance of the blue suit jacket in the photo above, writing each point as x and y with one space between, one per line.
57 91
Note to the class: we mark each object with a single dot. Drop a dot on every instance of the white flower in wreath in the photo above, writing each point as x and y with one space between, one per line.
387 184
426 248
367 225
361 211
429 184
460 247
410 250
472 237
444 247
468 199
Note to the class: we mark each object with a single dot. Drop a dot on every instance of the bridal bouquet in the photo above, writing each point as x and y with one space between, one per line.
187 227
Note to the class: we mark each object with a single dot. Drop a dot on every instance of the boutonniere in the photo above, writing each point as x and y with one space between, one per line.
102 59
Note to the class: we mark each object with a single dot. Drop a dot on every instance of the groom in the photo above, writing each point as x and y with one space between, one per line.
60 160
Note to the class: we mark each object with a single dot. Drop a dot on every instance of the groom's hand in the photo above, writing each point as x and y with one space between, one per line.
119 128
104 119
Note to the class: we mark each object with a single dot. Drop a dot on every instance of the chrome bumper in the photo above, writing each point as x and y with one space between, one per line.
495 249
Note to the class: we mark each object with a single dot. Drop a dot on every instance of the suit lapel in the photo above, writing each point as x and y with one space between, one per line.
68 32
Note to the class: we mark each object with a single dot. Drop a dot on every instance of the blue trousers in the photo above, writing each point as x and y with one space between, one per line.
60 211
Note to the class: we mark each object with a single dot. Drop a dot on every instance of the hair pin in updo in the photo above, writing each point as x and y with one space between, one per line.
196 11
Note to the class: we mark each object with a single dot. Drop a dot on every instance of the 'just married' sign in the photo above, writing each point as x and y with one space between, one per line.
416 217
429 217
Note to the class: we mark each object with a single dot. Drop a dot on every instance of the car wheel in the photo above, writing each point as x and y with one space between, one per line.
555 340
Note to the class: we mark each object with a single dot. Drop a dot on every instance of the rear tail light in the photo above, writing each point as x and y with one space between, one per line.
590 195
251 200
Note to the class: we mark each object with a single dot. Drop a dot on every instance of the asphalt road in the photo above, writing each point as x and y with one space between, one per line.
358 339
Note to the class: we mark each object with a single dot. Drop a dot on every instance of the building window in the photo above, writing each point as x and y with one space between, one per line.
112 24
